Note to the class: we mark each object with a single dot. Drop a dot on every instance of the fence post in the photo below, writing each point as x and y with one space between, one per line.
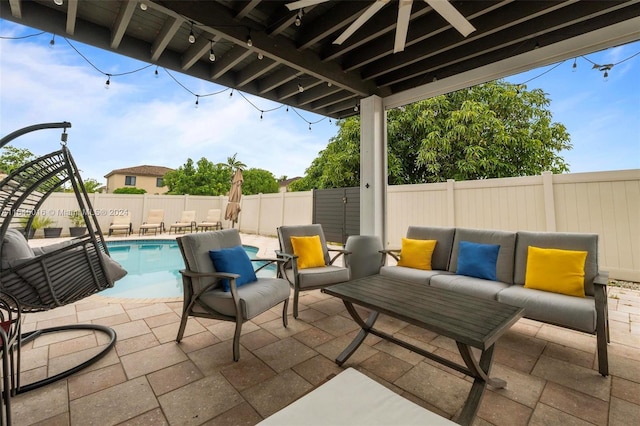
549 201
451 205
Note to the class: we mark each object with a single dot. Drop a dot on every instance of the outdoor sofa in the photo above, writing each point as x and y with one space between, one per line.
545 280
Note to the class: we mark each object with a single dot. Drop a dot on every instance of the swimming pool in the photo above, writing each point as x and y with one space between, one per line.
153 268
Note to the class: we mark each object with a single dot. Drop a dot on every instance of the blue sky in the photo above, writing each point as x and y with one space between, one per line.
143 119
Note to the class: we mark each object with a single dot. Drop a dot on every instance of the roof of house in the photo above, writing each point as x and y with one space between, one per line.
287 182
144 170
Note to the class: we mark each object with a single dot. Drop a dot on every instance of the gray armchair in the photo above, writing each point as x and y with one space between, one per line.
204 292
314 277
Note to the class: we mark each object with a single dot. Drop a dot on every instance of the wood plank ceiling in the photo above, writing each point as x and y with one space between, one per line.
300 65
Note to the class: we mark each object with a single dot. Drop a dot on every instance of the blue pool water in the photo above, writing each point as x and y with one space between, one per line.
152 268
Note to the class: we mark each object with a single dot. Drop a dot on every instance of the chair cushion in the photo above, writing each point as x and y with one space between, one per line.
410 274
255 297
417 253
287 231
309 251
578 313
558 240
505 239
236 261
15 248
559 271
478 287
477 260
444 236
320 277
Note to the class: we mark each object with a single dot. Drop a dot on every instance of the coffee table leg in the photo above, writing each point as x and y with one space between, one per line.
480 371
365 326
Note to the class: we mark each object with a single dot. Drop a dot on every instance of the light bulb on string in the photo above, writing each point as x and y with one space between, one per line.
212 56
53 41
107 83
156 73
298 21
143 6
355 108
58 2
249 41
300 88
575 65
231 94
606 75
197 101
192 36
261 114
309 126
260 55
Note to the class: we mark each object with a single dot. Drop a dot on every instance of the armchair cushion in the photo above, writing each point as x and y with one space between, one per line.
555 270
478 260
236 261
14 248
309 251
417 253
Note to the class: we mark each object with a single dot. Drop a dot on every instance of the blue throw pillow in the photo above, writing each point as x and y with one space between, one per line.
478 260
236 261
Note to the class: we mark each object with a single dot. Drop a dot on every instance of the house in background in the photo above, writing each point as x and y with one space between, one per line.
284 183
149 178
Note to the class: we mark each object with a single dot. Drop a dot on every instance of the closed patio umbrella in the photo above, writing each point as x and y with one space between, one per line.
233 208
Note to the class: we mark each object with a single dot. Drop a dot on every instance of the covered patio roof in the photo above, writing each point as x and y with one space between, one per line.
260 49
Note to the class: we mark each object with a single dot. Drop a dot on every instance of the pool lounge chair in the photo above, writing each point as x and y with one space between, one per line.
154 222
211 222
121 223
187 220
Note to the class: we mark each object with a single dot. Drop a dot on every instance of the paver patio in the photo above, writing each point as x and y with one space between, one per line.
551 372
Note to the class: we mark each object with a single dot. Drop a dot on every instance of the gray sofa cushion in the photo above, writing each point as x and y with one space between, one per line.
574 312
255 297
478 287
411 274
444 236
558 240
506 240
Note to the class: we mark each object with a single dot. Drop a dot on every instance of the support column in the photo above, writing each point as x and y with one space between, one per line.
373 168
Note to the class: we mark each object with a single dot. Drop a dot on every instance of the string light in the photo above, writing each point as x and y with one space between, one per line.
143 6
192 36
231 94
197 101
212 56
53 41
575 65
156 73
58 2
260 55
261 114
107 83
249 41
298 21
300 88
355 108
329 84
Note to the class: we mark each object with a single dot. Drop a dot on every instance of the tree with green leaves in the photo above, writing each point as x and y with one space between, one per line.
259 181
13 158
492 130
202 178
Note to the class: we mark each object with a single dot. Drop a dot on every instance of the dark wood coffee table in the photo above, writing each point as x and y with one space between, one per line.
470 321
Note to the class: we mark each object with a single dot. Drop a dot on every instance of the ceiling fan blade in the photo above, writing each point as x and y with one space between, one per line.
451 14
404 13
371 10
301 4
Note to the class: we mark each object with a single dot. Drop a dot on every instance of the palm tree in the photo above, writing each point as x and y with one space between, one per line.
234 164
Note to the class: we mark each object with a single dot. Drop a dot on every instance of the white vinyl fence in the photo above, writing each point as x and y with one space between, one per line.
606 203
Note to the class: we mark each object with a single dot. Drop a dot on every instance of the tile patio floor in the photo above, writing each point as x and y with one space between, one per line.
149 379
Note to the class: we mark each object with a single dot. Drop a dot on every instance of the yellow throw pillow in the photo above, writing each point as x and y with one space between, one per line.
309 251
558 271
417 253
